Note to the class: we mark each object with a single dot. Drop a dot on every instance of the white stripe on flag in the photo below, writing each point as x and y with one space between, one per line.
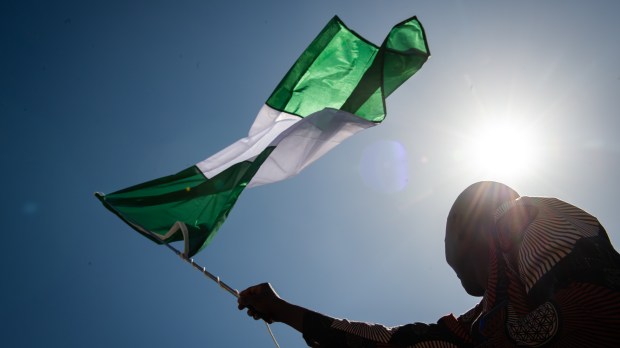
269 123
299 142
306 141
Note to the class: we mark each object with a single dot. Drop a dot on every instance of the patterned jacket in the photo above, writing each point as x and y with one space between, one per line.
553 283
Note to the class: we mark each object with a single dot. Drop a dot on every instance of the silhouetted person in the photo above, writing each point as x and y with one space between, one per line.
546 270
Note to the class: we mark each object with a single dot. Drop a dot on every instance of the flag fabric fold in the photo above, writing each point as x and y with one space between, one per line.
336 88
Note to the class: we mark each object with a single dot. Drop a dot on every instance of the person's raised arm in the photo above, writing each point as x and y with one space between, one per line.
262 302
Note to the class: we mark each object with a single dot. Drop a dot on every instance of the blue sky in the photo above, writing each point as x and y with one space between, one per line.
101 95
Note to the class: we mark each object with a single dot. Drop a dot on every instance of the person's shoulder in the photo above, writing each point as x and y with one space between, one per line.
552 233
552 208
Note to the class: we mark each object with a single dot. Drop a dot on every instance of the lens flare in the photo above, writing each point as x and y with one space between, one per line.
383 166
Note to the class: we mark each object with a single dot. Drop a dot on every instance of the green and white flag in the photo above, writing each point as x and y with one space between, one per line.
336 88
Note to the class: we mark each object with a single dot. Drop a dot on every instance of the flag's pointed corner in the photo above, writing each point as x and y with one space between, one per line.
336 19
422 30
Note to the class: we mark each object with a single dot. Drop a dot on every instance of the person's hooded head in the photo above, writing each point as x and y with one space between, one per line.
469 229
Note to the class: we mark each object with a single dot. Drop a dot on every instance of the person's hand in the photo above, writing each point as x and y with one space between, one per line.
262 302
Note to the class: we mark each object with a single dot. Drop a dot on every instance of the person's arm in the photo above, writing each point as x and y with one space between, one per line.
320 330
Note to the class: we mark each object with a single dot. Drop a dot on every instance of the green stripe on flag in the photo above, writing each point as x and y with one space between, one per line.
342 70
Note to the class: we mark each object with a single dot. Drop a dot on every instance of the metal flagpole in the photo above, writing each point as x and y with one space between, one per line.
204 271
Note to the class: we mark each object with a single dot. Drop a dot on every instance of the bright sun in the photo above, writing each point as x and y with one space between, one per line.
503 150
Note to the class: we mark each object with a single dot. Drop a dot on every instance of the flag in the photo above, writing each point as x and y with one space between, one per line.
336 88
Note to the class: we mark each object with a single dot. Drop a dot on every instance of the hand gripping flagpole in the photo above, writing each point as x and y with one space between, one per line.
209 275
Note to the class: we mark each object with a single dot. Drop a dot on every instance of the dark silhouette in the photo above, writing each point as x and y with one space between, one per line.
546 270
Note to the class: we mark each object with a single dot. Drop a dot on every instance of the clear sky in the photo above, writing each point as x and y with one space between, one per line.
101 95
